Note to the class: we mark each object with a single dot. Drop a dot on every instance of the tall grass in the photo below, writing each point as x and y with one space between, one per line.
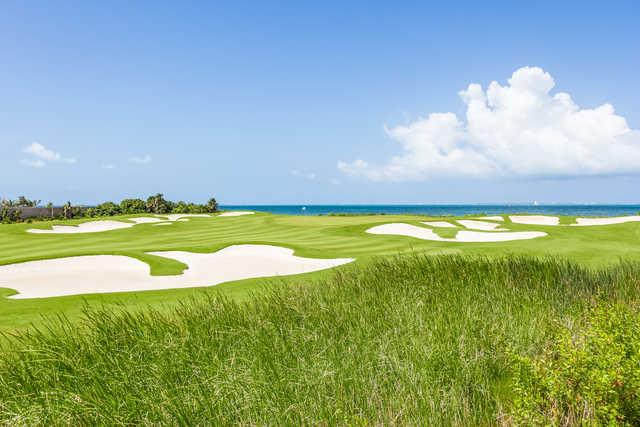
413 340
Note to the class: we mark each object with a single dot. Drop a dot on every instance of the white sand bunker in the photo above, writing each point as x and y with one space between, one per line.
85 227
535 219
492 218
108 225
114 273
605 221
145 220
400 229
180 217
236 213
480 225
440 224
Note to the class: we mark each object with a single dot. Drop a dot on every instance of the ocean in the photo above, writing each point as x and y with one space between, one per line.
442 210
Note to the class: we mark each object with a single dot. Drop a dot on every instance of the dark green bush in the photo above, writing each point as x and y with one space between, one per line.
133 206
588 375
107 209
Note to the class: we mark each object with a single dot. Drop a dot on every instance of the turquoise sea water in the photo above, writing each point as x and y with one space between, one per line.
442 210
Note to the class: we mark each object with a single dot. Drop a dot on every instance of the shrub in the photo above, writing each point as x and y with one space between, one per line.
133 206
586 376
181 207
107 209
9 215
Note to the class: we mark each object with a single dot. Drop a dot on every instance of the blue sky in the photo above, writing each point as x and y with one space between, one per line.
258 102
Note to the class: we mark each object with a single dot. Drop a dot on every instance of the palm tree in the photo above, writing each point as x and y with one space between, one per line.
67 210
158 205
212 205
24 202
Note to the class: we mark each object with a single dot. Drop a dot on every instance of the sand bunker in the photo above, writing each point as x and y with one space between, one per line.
85 227
492 218
605 221
236 213
107 225
441 224
145 220
400 229
480 225
98 226
535 219
115 273
179 217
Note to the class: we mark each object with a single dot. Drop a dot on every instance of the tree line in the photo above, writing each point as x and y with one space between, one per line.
11 210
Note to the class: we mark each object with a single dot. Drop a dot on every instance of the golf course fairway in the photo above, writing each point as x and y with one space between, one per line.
318 237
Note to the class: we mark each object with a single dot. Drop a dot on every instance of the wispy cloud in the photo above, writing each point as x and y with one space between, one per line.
141 160
40 156
108 166
306 175
33 163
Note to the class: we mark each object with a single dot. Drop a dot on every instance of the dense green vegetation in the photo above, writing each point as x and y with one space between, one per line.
10 209
589 372
411 340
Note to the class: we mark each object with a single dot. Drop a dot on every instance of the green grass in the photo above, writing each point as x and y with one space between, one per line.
311 236
412 340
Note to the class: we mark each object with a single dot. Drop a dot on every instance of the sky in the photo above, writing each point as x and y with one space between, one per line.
327 102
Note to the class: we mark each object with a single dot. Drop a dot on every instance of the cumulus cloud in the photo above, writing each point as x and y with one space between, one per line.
141 160
40 156
519 129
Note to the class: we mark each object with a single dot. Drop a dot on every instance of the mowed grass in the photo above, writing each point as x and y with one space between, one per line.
310 236
417 339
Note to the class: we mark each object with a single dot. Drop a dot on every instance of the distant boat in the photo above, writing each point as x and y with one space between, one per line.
535 203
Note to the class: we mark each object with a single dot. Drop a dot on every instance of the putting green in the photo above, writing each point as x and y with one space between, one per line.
309 236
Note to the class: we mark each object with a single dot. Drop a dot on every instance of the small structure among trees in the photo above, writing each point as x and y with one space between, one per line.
26 209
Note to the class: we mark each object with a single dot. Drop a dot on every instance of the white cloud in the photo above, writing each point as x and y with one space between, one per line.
141 160
33 163
41 152
306 175
520 129
108 166
41 156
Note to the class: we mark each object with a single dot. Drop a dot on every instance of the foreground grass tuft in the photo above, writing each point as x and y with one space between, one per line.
412 340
